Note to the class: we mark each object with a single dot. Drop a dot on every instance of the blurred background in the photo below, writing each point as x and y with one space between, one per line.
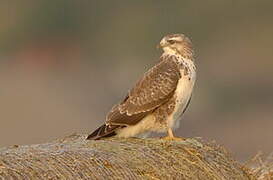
64 63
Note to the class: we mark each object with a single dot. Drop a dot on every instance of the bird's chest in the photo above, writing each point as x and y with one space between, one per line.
183 92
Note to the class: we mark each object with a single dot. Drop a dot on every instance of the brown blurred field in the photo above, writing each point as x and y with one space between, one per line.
63 64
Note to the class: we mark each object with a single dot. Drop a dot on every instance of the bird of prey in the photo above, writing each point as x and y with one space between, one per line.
159 98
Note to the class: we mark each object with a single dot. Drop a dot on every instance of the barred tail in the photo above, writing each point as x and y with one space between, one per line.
104 131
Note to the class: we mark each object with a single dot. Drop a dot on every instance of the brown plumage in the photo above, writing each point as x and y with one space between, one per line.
155 93
155 88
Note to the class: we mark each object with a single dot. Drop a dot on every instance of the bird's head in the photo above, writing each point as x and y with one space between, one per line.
177 44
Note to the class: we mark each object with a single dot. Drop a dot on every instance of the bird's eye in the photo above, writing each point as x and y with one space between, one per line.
171 41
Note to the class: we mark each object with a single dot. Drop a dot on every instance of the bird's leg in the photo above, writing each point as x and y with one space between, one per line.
171 137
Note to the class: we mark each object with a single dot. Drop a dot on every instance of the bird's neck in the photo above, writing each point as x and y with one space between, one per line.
179 60
178 56
184 54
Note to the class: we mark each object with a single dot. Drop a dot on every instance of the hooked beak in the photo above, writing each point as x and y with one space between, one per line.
161 45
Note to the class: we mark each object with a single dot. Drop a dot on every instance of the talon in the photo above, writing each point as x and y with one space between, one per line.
171 137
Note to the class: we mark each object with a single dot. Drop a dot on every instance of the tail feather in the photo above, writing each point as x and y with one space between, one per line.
104 131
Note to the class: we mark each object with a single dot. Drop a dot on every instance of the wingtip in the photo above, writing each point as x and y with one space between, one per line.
89 137
95 135
102 132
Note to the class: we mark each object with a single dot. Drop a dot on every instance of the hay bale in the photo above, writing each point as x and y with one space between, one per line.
76 158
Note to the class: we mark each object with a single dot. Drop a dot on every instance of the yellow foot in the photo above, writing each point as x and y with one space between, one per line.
169 138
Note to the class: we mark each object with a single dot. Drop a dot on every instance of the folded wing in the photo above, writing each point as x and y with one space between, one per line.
155 88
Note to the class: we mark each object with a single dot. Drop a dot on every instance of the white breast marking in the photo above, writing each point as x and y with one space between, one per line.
183 92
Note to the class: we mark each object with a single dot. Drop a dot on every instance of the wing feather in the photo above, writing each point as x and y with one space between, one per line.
155 88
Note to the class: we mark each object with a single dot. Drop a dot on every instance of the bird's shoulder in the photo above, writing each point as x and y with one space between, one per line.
156 84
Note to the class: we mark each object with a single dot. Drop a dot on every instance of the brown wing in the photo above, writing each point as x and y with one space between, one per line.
155 88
